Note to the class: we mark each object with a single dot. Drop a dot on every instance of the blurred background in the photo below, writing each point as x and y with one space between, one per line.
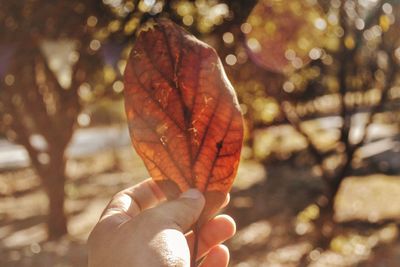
319 86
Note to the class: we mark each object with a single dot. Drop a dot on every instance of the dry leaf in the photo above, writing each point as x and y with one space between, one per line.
183 114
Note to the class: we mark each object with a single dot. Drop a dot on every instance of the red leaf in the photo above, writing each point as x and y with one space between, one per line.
183 114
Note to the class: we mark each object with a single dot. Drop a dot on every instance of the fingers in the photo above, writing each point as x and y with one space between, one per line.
214 232
130 202
226 202
182 212
217 257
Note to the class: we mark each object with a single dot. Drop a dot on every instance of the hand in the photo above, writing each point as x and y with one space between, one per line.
140 228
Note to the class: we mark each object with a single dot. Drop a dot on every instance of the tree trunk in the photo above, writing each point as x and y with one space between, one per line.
54 181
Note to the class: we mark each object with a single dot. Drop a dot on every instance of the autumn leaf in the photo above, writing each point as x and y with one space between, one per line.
183 114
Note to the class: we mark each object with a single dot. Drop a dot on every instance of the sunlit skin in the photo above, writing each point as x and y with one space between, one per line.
139 228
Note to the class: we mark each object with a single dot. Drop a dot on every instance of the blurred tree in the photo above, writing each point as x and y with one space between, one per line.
51 61
323 59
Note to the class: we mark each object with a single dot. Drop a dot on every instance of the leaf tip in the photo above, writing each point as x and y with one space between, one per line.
147 26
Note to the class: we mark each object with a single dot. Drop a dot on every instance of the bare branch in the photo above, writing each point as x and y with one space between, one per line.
391 76
292 117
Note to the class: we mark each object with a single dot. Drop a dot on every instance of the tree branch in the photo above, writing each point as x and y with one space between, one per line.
292 117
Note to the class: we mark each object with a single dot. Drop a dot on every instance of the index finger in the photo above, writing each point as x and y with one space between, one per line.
131 201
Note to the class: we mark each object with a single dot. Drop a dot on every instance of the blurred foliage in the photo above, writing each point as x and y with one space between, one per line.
301 39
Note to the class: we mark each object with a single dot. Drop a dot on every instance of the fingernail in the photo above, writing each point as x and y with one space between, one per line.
191 193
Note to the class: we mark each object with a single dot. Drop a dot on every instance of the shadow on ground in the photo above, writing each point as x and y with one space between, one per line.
265 205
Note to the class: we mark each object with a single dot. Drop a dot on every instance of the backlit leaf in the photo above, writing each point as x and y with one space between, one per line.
183 114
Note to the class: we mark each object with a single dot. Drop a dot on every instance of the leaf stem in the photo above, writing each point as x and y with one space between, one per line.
195 245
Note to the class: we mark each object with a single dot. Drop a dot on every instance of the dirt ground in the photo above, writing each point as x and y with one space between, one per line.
273 211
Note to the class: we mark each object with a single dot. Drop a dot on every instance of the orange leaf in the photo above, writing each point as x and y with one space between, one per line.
183 114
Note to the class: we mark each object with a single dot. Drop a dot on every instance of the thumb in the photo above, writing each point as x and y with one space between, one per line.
184 211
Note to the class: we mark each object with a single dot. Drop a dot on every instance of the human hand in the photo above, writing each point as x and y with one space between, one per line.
140 228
